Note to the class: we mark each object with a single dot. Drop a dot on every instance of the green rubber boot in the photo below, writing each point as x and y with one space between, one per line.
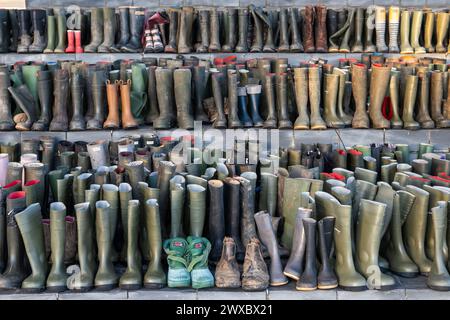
178 275
198 253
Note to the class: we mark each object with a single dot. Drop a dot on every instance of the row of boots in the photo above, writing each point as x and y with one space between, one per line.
250 29
375 92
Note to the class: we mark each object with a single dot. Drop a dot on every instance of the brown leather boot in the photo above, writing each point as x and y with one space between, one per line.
227 269
321 29
359 88
128 121
112 96
308 24
379 83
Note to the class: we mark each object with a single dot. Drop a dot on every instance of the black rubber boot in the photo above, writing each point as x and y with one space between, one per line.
124 29
45 90
24 19
39 43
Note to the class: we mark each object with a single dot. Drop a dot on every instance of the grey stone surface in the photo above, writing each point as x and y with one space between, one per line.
164 294
396 294
88 136
288 292
37 134
216 294
412 3
243 3
422 294
115 294
25 296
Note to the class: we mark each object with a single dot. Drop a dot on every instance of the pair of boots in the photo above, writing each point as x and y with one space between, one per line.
315 29
301 265
125 117
34 21
255 276
188 262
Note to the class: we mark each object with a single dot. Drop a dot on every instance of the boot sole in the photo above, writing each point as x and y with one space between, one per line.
56 289
305 289
278 284
83 289
354 289
406 274
130 286
291 276
332 286
32 290
153 285
105 287
437 288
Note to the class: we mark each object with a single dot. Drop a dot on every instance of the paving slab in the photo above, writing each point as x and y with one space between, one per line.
396 294
163 294
426 294
29 296
115 294
238 294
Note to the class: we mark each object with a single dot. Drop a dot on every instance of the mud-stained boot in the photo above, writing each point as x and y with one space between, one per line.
317 123
439 278
269 92
97 23
39 41
409 103
358 31
242 45
368 239
258 32
6 121
394 83
320 30
254 95
231 36
380 28
29 222
185 30
308 278
171 46
429 31
182 90
232 215
296 38
344 45
301 98
414 229
44 88
15 271
378 85
109 30
24 17
132 278
369 24
423 114
155 276
124 29
394 22
442 21
166 102
405 46
197 204
283 29
106 277
416 27
436 88
233 117
282 101
267 236
227 273
57 279
51 34
25 101
294 266
326 278
255 276
60 121
330 97
98 93
200 79
216 218
247 198
359 88
399 261
221 121
308 30
214 45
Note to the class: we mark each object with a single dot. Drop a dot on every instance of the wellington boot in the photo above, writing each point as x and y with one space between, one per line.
255 276
429 30
308 30
394 22
437 94
332 28
320 29
344 96
30 226
106 277
314 80
38 22
15 271
247 201
197 207
4 31
227 273
166 101
283 31
330 97
231 34
153 112
216 218
127 118
233 117
24 17
268 238
99 154
414 229
97 25
269 94
258 32
124 29
182 89
60 120
81 184
242 45
370 26
399 261
44 89
380 28
394 83
109 30
243 115
132 278
98 94
166 171
214 45
86 236
308 278
24 99
296 38
110 193
177 203
61 27
254 95
70 42
200 79
340 28
326 278
405 46
57 279
185 30
155 276
6 121
358 31
232 215
442 21
368 239
301 98
416 26
198 251
379 82
359 88
171 46
216 82
203 16
409 102
294 266
112 95
137 20
439 278
344 45
125 195
423 115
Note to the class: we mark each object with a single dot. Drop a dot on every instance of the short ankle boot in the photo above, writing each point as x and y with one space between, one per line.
227 273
